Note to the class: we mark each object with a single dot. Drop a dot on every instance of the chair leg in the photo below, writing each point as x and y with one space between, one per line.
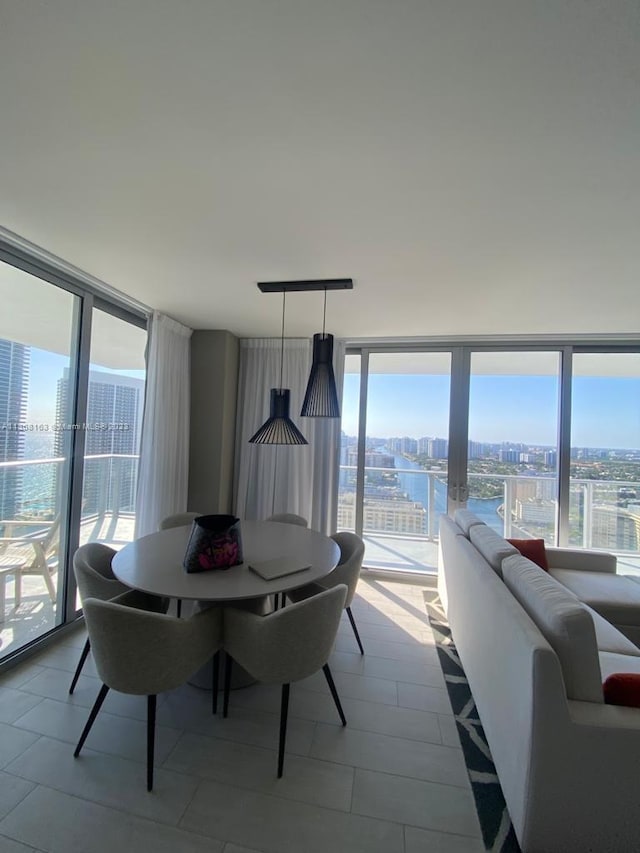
334 692
18 589
179 607
49 583
355 630
284 710
215 674
92 716
83 657
228 664
151 731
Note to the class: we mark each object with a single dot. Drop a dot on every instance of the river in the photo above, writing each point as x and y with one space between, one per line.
417 487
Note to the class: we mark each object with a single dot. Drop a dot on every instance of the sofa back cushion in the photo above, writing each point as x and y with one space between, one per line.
491 545
564 622
465 520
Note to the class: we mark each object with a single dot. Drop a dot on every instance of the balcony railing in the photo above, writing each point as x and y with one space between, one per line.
33 490
403 504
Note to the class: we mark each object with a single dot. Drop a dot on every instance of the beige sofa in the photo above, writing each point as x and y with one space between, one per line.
535 656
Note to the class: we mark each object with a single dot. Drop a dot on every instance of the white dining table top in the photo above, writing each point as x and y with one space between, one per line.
153 563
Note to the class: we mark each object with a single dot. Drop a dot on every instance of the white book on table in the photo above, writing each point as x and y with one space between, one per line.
269 570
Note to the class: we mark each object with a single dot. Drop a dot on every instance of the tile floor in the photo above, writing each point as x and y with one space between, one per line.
392 781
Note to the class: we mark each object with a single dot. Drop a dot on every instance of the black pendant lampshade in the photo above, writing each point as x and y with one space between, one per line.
278 428
321 398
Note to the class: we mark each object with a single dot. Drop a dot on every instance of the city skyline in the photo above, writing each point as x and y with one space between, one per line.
502 409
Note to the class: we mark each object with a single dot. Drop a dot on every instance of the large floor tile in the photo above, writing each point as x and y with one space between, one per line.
7 845
20 675
307 780
434 699
13 742
12 791
15 703
352 686
57 823
394 651
428 761
415 802
106 779
273 825
391 720
243 725
110 733
65 658
423 840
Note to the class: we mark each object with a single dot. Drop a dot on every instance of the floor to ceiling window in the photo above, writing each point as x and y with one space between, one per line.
395 444
539 441
512 458
604 507
71 396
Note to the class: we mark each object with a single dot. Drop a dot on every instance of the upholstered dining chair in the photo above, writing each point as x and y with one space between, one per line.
346 572
95 579
143 653
284 646
289 518
178 519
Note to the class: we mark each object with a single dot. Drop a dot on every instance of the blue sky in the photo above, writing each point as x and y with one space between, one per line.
605 411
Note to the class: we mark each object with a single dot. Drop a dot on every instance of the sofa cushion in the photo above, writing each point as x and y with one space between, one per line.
615 597
622 688
492 546
608 638
532 549
564 622
465 520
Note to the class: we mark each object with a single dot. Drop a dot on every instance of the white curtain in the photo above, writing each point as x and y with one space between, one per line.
283 478
164 454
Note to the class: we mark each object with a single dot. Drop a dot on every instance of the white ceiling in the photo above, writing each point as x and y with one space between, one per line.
473 165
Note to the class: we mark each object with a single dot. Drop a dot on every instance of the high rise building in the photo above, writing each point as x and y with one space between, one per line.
14 386
113 429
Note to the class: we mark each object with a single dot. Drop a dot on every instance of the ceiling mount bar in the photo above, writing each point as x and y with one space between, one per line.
302 286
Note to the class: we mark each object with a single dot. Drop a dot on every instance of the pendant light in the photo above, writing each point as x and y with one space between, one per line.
321 397
279 428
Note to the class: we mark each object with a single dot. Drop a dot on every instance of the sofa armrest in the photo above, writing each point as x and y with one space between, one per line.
581 560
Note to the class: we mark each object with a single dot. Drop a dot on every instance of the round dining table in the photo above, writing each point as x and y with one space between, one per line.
153 563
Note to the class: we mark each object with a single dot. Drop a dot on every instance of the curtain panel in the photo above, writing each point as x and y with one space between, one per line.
163 472
282 478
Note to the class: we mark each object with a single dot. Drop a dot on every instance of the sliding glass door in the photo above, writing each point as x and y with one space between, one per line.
604 510
71 397
394 455
512 468
539 441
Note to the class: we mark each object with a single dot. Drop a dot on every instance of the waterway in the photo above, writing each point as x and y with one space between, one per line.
417 488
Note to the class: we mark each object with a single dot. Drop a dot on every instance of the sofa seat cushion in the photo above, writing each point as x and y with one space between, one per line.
610 663
465 520
492 546
615 597
608 638
563 621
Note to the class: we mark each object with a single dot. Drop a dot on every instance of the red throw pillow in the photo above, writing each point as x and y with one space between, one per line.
622 688
532 549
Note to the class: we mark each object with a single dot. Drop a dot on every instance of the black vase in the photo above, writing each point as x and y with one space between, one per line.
214 543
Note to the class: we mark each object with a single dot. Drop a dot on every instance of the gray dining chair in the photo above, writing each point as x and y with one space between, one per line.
95 579
143 653
284 646
289 518
178 519
346 572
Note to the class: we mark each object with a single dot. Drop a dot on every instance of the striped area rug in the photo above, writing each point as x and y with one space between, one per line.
497 831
